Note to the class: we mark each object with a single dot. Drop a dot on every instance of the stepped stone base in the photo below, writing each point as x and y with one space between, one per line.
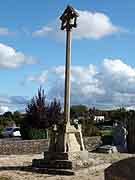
60 163
63 162
53 163
72 156
54 171
57 164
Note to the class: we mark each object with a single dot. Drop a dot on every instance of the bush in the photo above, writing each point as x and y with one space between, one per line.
90 130
32 133
40 116
104 133
1 130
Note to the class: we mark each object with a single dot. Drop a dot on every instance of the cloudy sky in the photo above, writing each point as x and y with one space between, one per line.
32 52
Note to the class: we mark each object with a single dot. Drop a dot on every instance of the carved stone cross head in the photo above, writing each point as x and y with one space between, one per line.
69 18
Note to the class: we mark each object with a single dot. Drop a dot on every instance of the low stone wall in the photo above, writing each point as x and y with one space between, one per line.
13 146
91 143
8 147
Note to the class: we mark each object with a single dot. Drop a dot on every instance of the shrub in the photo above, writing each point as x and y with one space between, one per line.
1 130
37 111
90 130
32 133
40 116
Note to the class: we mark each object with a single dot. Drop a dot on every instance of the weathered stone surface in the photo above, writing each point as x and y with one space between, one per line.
13 146
53 165
121 170
73 156
74 140
107 149
58 164
91 143
68 160
73 145
54 171
8 147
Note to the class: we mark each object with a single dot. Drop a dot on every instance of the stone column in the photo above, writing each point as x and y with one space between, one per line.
67 77
67 83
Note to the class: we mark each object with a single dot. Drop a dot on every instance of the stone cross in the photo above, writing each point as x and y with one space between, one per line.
68 19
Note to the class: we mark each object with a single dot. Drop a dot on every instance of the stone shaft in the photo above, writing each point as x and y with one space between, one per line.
67 78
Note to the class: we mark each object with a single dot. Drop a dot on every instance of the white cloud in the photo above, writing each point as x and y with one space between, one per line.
118 76
43 32
12 103
10 58
3 109
39 79
4 31
107 86
93 25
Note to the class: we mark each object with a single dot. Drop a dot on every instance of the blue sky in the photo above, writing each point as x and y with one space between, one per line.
32 52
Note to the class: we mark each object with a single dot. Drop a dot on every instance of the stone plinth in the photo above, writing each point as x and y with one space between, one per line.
72 156
54 163
74 140
62 163
57 161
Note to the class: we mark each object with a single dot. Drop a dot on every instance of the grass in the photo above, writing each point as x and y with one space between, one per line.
106 133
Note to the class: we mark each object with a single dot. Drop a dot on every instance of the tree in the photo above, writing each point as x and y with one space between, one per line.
17 118
78 110
119 115
8 115
54 113
40 115
37 111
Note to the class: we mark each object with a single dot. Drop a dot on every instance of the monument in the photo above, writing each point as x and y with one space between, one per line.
66 144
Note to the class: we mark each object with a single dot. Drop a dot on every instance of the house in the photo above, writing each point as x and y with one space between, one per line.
99 119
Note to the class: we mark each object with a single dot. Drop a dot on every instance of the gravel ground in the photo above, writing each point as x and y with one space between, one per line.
10 167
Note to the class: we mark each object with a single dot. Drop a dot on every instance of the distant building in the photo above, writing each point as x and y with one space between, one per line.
99 119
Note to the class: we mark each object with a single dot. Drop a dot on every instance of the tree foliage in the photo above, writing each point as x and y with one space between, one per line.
78 110
55 112
40 114
37 111
10 118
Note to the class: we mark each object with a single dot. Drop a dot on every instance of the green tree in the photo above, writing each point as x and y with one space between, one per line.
55 112
8 115
40 115
119 115
37 111
78 110
17 118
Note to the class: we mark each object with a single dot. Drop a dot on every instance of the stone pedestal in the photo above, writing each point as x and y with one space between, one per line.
73 139
58 162
61 163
